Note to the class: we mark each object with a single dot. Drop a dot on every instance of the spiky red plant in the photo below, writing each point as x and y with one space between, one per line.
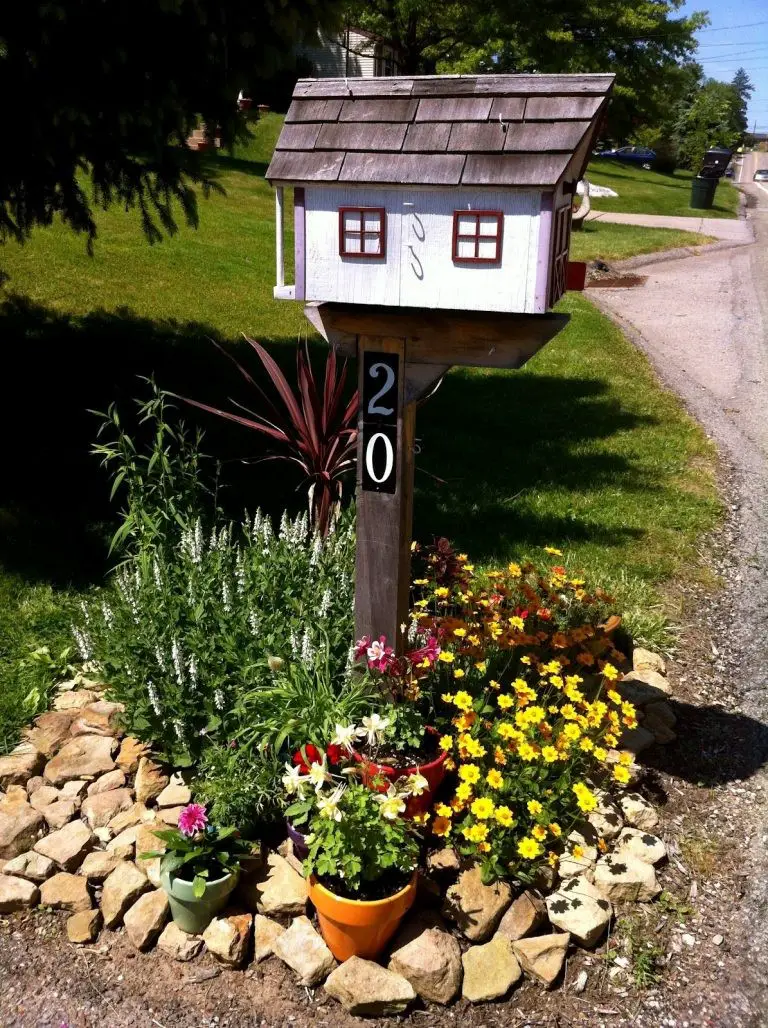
313 426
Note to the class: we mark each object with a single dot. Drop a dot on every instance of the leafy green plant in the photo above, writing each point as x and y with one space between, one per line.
39 671
239 786
643 951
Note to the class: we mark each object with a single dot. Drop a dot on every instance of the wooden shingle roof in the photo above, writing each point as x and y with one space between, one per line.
448 130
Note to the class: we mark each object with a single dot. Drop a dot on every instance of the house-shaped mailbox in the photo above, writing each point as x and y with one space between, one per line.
435 192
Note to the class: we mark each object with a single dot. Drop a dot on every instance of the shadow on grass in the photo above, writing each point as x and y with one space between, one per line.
488 442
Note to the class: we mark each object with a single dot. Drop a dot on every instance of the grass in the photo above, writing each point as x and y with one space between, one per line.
582 448
608 242
650 192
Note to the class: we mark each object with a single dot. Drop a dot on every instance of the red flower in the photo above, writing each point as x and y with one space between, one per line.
313 755
334 753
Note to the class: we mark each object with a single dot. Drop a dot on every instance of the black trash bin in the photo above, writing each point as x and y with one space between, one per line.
703 193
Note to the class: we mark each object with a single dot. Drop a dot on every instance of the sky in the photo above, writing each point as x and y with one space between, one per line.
737 36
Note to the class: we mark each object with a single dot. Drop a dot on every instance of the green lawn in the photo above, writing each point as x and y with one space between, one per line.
608 242
582 449
650 192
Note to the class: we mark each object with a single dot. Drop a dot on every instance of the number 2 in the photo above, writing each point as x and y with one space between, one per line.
389 375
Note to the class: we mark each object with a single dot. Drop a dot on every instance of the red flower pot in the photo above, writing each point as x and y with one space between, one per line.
434 772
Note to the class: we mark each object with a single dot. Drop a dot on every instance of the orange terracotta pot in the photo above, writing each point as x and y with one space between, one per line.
359 928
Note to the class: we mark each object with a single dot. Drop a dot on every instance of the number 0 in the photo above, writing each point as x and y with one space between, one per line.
389 381
389 461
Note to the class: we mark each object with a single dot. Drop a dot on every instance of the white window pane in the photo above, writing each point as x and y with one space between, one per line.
372 221
465 248
487 249
489 225
352 244
372 244
467 224
352 221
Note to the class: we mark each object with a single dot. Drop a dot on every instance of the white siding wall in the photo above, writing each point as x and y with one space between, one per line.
419 270
333 57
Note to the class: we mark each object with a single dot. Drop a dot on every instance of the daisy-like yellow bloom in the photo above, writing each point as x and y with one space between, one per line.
525 660
504 702
494 778
539 832
577 852
554 667
459 632
441 826
601 754
476 833
443 810
625 758
610 739
484 847
552 859
447 697
586 744
421 581
462 700
506 730
517 622
534 808
504 816
621 774
475 640
550 754
456 805
528 848
465 722
481 666
421 603
446 656
499 757
572 731
555 829
482 808
614 697
557 681
463 791
469 567
553 551
514 570
474 748
585 799
445 742
610 672
421 819
458 672
450 764
441 592
469 773
526 751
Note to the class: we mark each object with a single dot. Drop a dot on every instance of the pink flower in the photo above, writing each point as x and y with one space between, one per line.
361 646
380 656
193 818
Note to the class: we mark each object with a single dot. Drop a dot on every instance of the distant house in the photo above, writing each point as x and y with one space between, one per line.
352 53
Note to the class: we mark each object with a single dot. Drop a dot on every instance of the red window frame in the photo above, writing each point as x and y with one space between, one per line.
361 234
476 236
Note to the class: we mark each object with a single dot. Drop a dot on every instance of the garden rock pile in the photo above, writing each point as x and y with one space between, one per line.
80 802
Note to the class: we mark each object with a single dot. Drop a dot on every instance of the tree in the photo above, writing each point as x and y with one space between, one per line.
99 98
711 118
743 88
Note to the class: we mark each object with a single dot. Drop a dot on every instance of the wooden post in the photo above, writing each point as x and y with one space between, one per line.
384 494
279 239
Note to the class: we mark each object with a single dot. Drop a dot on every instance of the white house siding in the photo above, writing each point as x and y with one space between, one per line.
419 270
346 55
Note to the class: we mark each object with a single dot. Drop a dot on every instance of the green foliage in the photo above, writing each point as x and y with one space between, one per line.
39 671
363 845
406 728
644 952
712 117
240 787
203 857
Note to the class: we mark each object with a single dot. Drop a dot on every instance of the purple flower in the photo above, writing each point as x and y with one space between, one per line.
193 818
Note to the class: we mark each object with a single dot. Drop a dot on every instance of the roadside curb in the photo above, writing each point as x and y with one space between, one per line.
679 253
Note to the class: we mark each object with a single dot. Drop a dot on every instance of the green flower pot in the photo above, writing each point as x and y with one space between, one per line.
191 914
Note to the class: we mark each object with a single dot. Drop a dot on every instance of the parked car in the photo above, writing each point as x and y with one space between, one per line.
729 171
641 155
761 175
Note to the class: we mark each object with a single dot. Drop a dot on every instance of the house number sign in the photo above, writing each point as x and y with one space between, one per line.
381 388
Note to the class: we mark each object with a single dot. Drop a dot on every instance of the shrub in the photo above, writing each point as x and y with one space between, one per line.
239 787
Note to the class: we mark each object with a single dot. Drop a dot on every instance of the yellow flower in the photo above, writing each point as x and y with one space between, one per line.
517 622
539 832
525 660
450 764
476 833
459 632
625 758
463 791
484 847
553 551
550 754
482 808
526 751
506 730
446 656
610 739
469 773
585 799
577 852
552 859
600 753
474 748
534 808
572 731
504 816
528 848
610 672
556 830
586 744
458 673
421 819
621 774
441 592
514 570
505 702
445 742
481 666
421 603
499 757
614 697
421 581
443 810
441 826
462 700
463 557
494 778
447 697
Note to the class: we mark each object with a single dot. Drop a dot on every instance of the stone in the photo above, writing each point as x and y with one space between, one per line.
59 814
579 909
227 938
32 866
134 815
430 959
526 914
638 812
20 765
542 956
106 783
131 752
445 861
663 711
151 779
19 831
99 809
75 700
303 950
43 797
646 660
16 894
279 891
35 782
121 890
50 731
175 795
98 865
659 729
570 866
178 944
606 819
474 907
285 849
68 846
86 757
640 844
369 990
66 891
636 740
641 687
15 795
124 844
622 878
84 927
170 815
74 790
99 718
490 970
148 842
103 835
146 919
266 932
